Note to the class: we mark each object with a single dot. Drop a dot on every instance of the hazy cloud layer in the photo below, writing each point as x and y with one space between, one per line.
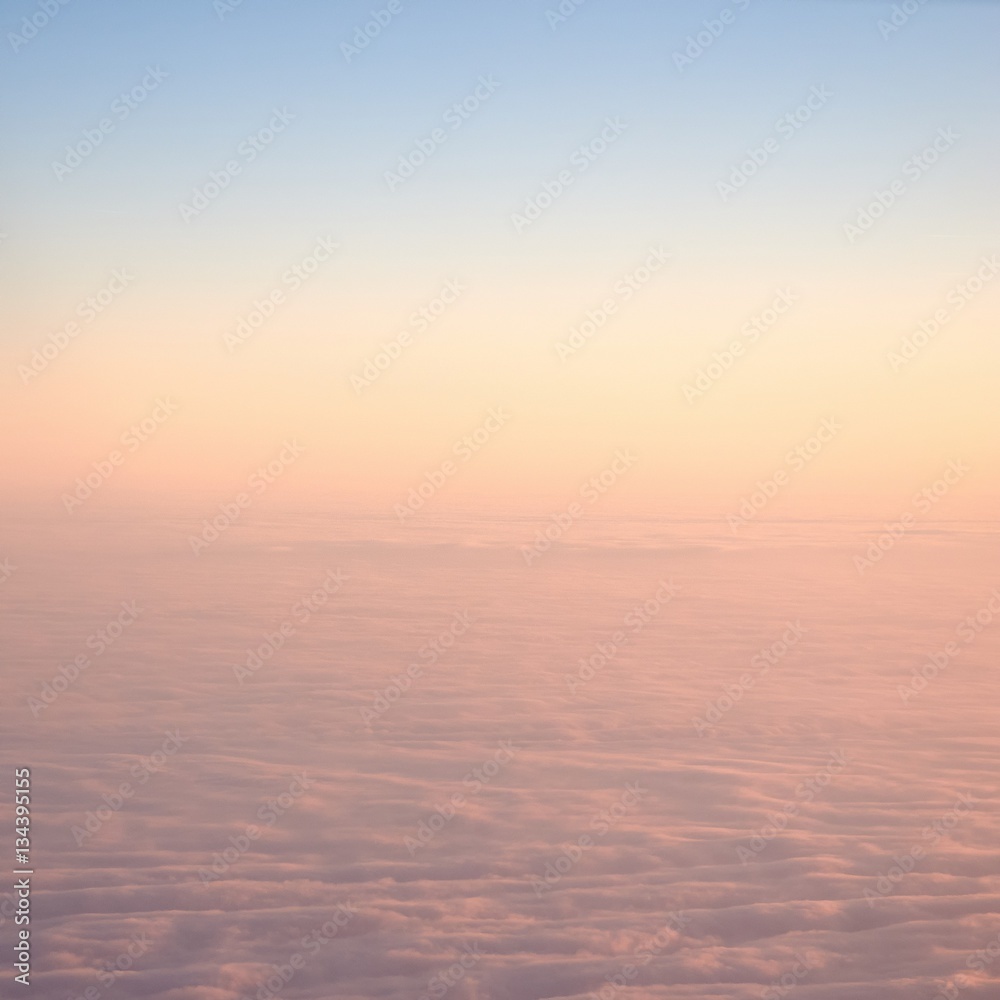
757 844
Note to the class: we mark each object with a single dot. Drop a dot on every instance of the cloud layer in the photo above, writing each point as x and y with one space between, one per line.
808 836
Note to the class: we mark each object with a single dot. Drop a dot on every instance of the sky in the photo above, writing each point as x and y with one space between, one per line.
592 143
600 392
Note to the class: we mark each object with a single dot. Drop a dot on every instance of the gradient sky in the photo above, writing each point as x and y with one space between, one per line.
655 186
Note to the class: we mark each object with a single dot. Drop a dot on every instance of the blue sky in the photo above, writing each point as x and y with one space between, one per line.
353 120
347 122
